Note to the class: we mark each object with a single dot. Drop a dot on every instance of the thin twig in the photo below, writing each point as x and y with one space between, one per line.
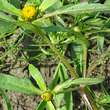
69 90
85 60
98 61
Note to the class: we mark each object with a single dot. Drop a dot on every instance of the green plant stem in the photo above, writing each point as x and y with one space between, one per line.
85 60
69 90
98 61
37 30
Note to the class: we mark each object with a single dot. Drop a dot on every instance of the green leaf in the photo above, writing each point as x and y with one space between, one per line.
42 105
100 42
42 22
46 4
6 98
87 81
18 85
77 56
105 100
54 7
7 7
38 77
58 98
46 52
55 29
80 8
16 3
6 18
33 2
63 73
7 26
59 21
107 2
95 22
63 107
68 95
50 106
55 78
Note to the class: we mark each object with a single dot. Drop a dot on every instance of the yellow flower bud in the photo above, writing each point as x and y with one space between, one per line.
47 96
29 12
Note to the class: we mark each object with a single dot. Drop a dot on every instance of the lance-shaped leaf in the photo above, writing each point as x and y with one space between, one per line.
6 98
55 78
67 96
34 2
87 81
18 85
7 7
55 29
42 105
42 22
50 106
6 18
47 104
79 9
100 42
38 77
46 3
77 56
7 26
16 3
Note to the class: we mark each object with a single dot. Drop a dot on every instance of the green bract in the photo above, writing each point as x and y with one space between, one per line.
47 96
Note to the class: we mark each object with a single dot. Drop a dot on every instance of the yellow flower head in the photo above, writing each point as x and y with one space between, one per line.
29 12
47 96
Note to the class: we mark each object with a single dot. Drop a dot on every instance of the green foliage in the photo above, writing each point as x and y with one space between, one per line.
50 106
42 22
18 85
87 81
55 78
105 100
46 3
54 29
67 96
33 2
6 18
107 2
42 105
7 7
77 56
54 7
6 98
5 26
16 3
100 42
79 9
37 76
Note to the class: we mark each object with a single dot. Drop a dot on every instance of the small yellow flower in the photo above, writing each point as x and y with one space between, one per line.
29 12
